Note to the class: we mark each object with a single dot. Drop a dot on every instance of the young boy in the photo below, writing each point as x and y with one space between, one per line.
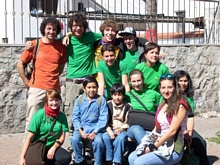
111 71
116 135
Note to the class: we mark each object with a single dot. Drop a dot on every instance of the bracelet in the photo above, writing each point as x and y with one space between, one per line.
58 142
152 147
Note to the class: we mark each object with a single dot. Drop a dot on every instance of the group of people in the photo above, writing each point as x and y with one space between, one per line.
102 72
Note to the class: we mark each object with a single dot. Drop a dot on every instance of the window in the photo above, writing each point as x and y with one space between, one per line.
41 6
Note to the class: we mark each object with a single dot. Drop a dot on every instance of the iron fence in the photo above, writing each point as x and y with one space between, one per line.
162 21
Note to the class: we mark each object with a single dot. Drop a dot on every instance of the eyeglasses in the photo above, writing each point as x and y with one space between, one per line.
167 76
76 26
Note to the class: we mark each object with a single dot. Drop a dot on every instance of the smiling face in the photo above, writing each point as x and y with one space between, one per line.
152 56
167 88
50 32
109 57
77 29
136 82
129 41
91 90
183 83
109 34
53 103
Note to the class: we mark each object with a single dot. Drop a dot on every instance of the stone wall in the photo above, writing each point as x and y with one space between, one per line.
202 63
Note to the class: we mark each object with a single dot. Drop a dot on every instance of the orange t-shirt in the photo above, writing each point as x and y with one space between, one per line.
48 60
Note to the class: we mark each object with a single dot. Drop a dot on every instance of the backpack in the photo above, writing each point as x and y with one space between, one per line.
189 157
29 67
98 100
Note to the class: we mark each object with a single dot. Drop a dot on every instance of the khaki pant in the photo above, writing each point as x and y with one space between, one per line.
72 91
35 102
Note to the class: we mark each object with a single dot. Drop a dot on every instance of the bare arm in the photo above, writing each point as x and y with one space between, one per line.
175 124
25 146
101 81
65 40
125 82
20 68
57 144
190 127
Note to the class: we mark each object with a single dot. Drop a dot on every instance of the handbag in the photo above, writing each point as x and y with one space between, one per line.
29 67
145 119
36 151
189 157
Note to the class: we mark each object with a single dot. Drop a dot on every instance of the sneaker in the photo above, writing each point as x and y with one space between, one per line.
114 163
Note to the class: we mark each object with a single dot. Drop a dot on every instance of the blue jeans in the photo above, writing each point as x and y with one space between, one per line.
97 145
152 159
136 132
115 148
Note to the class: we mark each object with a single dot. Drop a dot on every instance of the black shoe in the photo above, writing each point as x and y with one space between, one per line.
84 162
107 162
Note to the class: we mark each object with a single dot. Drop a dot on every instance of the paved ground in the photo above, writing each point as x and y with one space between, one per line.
10 144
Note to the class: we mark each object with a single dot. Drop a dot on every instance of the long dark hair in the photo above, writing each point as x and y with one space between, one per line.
173 103
189 92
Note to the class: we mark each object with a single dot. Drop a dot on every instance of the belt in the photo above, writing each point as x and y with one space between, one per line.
76 81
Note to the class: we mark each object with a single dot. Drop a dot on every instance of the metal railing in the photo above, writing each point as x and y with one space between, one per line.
162 21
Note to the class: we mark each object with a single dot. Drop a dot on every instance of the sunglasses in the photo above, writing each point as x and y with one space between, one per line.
167 76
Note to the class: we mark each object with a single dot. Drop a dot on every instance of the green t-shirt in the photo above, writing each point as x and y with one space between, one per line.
80 53
191 103
112 74
152 74
149 97
40 125
131 59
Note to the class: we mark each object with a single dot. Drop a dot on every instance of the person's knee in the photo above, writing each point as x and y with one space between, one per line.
65 159
98 141
74 140
105 137
121 139
135 128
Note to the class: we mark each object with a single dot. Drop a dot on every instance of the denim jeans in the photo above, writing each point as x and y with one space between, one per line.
97 145
152 159
136 132
115 148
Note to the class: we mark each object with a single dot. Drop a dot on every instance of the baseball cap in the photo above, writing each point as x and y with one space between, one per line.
127 31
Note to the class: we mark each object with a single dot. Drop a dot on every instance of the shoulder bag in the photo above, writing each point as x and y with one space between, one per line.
145 119
35 153
30 66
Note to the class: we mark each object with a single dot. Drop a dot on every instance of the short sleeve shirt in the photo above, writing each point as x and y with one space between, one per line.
148 97
112 74
152 74
80 53
40 125
131 58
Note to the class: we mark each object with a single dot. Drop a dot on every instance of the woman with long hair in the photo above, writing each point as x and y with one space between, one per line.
196 142
171 120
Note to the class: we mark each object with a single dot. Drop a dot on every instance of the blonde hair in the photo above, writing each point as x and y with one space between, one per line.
52 93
